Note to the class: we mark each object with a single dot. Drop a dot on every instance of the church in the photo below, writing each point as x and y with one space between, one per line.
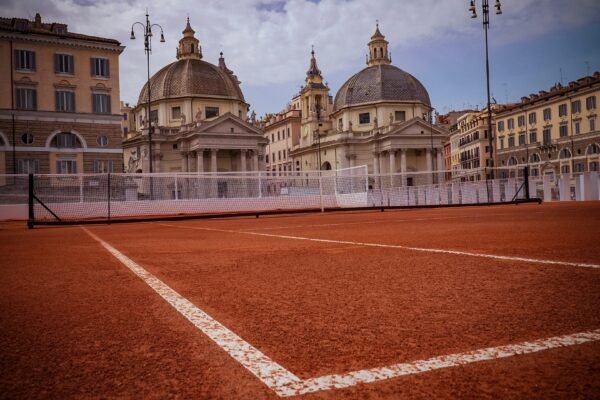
198 117
380 117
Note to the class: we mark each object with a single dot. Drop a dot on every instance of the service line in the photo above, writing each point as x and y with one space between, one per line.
286 384
397 246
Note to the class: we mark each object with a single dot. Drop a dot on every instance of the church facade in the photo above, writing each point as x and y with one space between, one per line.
380 117
198 117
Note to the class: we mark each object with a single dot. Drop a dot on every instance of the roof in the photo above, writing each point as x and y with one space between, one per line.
192 77
380 83
58 30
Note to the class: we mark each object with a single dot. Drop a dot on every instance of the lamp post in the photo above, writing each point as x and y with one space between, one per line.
486 24
148 49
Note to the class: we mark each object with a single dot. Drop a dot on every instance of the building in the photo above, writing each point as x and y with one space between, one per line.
282 130
381 117
470 150
59 100
553 132
198 116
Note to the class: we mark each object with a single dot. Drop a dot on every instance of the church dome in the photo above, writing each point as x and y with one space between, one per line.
192 78
382 82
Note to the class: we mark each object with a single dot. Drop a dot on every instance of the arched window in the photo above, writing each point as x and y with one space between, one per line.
512 161
381 52
535 158
593 149
192 47
65 140
326 166
565 153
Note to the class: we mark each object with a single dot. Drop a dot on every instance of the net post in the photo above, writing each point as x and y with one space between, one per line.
526 177
321 191
108 196
31 216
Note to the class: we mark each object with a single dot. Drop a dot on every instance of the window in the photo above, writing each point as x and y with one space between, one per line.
278 137
65 140
579 167
562 110
102 140
511 141
511 123
399 116
25 60
563 130
535 158
594 166
590 103
576 107
28 167
284 155
124 116
267 158
565 169
532 118
594 149
592 124
547 114
65 101
175 146
501 143
547 136
521 120
211 112
500 126
279 155
100 67
26 99
103 166
340 125
288 132
100 103
125 131
175 112
64 64
66 167
364 118
577 128
154 117
27 138
522 138
533 137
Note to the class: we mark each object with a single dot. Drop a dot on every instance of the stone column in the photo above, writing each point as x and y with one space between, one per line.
403 166
440 166
255 160
392 166
190 167
184 162
200 160
376 177
213 170
243 160
429 164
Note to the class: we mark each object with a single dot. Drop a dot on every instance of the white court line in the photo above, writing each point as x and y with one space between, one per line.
339 381
286 384
397 246
388 220
268 371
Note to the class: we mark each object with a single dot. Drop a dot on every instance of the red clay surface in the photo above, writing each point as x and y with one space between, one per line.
76 323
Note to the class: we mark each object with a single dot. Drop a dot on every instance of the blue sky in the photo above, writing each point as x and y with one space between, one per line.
267 42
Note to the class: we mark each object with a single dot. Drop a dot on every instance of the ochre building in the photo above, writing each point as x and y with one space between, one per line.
59 100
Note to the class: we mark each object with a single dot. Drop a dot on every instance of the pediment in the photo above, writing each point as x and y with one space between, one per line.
228 124
417 127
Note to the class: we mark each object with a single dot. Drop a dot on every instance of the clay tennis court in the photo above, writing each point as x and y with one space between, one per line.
474 302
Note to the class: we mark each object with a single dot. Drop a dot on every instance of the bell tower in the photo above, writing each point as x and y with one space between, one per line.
189 47
378 49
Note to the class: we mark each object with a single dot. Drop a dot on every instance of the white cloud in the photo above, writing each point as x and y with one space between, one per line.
268 41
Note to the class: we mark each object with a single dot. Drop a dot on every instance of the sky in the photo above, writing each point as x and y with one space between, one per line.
532 45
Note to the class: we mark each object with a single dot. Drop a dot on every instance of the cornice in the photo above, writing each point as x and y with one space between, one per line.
69 42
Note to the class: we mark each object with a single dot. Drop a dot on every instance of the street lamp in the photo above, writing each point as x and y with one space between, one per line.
148 49
486 24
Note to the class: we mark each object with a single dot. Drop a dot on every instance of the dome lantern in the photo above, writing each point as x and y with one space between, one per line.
378 49
189 46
